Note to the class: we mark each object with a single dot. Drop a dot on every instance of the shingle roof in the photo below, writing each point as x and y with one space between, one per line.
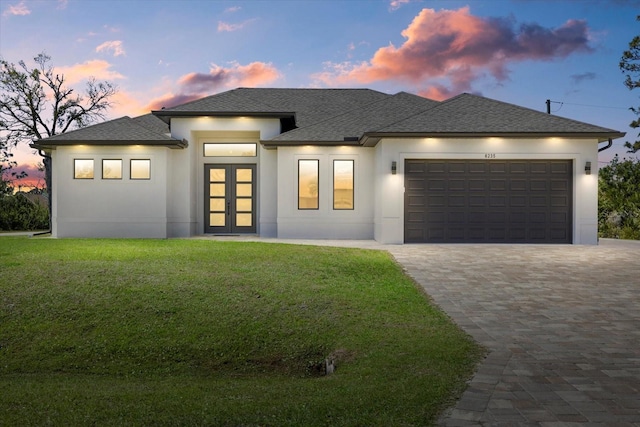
474 114
338 116
309 106
354 123
143 130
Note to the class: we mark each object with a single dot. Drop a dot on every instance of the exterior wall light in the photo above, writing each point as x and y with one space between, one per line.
587 168
394 167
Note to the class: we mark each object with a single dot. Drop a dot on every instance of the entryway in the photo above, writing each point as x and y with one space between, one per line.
229 198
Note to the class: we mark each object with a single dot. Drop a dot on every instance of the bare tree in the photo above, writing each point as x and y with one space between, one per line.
36 103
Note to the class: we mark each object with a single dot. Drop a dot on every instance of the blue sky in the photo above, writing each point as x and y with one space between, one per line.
160 52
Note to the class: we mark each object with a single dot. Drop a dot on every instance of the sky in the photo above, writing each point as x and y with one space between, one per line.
160 53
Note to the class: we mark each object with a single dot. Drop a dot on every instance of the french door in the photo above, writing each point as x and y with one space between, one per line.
230 198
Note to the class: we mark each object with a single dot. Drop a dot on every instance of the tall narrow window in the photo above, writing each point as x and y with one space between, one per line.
83 168
140 169
111 169
308 171
342 184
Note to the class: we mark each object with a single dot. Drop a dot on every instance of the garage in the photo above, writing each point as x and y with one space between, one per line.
488 201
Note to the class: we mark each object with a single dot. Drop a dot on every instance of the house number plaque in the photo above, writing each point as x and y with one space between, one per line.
490 155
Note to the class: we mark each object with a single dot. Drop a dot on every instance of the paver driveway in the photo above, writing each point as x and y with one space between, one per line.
561 323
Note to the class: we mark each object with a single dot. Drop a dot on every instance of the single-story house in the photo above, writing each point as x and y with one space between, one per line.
331 164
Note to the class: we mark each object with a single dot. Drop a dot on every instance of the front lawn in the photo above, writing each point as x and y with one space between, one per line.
200 332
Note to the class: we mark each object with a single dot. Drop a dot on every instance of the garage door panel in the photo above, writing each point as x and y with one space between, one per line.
457 185
518 185
539 167
415 167
456 201
517 167
477 201
516 201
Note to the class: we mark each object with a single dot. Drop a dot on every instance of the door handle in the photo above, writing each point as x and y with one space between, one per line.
228 207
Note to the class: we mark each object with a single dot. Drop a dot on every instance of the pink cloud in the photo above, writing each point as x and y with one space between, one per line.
458 47
99 69
197 85
113 46
19 9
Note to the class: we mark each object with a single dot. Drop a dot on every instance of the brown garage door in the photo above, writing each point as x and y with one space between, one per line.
494 201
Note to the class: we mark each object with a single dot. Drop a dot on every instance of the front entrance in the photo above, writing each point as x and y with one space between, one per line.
229 198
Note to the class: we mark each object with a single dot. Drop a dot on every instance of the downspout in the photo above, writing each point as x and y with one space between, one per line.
47 171
609 144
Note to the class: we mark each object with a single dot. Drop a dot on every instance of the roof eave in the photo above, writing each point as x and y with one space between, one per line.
173 144
275 144
167 115
370 139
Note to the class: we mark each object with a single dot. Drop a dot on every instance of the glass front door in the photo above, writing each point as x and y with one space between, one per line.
229 200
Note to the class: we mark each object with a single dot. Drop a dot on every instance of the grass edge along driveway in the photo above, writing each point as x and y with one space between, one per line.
197 332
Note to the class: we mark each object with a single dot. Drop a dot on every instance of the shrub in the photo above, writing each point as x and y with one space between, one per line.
18 212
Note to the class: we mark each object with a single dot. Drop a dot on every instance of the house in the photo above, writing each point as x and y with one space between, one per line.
331 164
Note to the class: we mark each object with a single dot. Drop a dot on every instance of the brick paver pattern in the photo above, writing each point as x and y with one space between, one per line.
561 324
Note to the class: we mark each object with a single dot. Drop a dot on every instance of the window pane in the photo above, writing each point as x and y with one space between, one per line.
243 220
229 150
243 190
343 184
216 190
243 205
83 168
308 184
216 175
111 169
216 219
243 175
141 169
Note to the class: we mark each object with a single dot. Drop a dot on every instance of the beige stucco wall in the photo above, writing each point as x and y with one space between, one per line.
109 208
325 222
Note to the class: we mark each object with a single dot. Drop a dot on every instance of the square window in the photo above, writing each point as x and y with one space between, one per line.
140 169
111 169
83 168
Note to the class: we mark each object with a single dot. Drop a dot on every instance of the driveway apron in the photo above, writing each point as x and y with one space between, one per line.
561 324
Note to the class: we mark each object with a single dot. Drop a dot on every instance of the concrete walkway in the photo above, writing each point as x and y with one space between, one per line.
561 323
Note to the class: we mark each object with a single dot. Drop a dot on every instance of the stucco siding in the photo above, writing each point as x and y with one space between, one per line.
325 222
100 207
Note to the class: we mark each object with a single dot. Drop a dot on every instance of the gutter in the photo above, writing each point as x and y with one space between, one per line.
609 144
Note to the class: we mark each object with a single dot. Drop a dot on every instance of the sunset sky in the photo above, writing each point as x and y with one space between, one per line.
165 52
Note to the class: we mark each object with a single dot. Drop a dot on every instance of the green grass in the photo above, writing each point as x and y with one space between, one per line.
198 332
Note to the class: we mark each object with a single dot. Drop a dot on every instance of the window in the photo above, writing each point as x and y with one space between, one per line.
111 169
83 168
308 184
342 184
229 150
140 169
